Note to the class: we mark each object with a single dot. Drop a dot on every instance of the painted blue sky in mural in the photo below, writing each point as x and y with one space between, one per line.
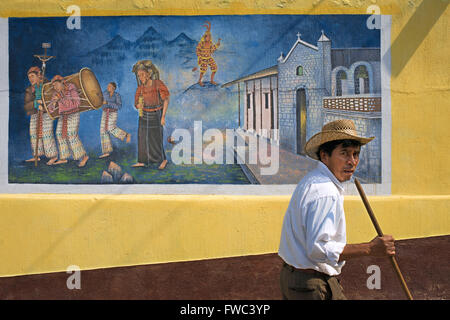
111 45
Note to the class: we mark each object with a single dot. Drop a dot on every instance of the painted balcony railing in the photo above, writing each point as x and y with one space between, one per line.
353 103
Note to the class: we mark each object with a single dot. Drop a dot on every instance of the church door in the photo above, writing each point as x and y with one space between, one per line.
301 120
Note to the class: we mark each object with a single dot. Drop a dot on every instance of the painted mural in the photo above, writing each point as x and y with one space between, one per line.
187 99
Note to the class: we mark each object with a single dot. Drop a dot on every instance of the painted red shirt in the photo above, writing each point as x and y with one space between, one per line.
150 93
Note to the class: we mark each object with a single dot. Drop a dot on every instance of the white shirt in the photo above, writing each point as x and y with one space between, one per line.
313 234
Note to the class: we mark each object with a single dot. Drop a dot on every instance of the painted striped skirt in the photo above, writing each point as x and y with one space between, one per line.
47 144
67 136
108 126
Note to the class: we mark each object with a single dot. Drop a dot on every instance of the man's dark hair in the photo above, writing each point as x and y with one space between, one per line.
113 84
329 146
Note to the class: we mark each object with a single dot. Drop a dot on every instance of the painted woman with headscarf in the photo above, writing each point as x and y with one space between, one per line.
152 101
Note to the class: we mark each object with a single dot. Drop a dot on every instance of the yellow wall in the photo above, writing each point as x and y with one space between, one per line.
46 233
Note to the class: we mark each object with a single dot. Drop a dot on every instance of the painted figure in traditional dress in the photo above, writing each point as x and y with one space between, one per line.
108 125
67 100
41 125
205 49
152 101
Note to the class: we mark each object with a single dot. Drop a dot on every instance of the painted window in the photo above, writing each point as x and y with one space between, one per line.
249 100
299 70
361 80
341 75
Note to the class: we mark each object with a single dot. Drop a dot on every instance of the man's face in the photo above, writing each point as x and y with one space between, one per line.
57 85
342 162
110 88
33 77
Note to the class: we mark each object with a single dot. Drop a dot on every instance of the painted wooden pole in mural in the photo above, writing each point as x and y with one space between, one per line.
43 58
380 234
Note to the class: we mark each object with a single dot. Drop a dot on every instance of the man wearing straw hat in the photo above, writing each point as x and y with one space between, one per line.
313 238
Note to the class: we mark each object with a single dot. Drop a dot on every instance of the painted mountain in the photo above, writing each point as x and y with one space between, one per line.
150 45
175 58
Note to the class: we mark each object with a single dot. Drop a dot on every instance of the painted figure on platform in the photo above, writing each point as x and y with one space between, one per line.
205 49
152 101
108 126
41 124
67 100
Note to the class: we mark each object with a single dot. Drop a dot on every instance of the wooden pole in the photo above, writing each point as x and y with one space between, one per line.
380 234
43 59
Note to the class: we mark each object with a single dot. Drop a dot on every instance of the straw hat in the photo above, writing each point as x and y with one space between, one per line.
336 130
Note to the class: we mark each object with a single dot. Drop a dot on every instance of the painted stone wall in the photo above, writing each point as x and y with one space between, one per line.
319 81
312 81
369 168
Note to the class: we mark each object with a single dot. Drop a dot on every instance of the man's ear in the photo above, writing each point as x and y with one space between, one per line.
324 157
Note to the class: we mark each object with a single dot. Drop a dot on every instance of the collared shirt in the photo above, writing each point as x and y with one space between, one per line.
114 101
313 234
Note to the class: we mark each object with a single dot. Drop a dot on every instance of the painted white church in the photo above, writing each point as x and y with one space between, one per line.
310 86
